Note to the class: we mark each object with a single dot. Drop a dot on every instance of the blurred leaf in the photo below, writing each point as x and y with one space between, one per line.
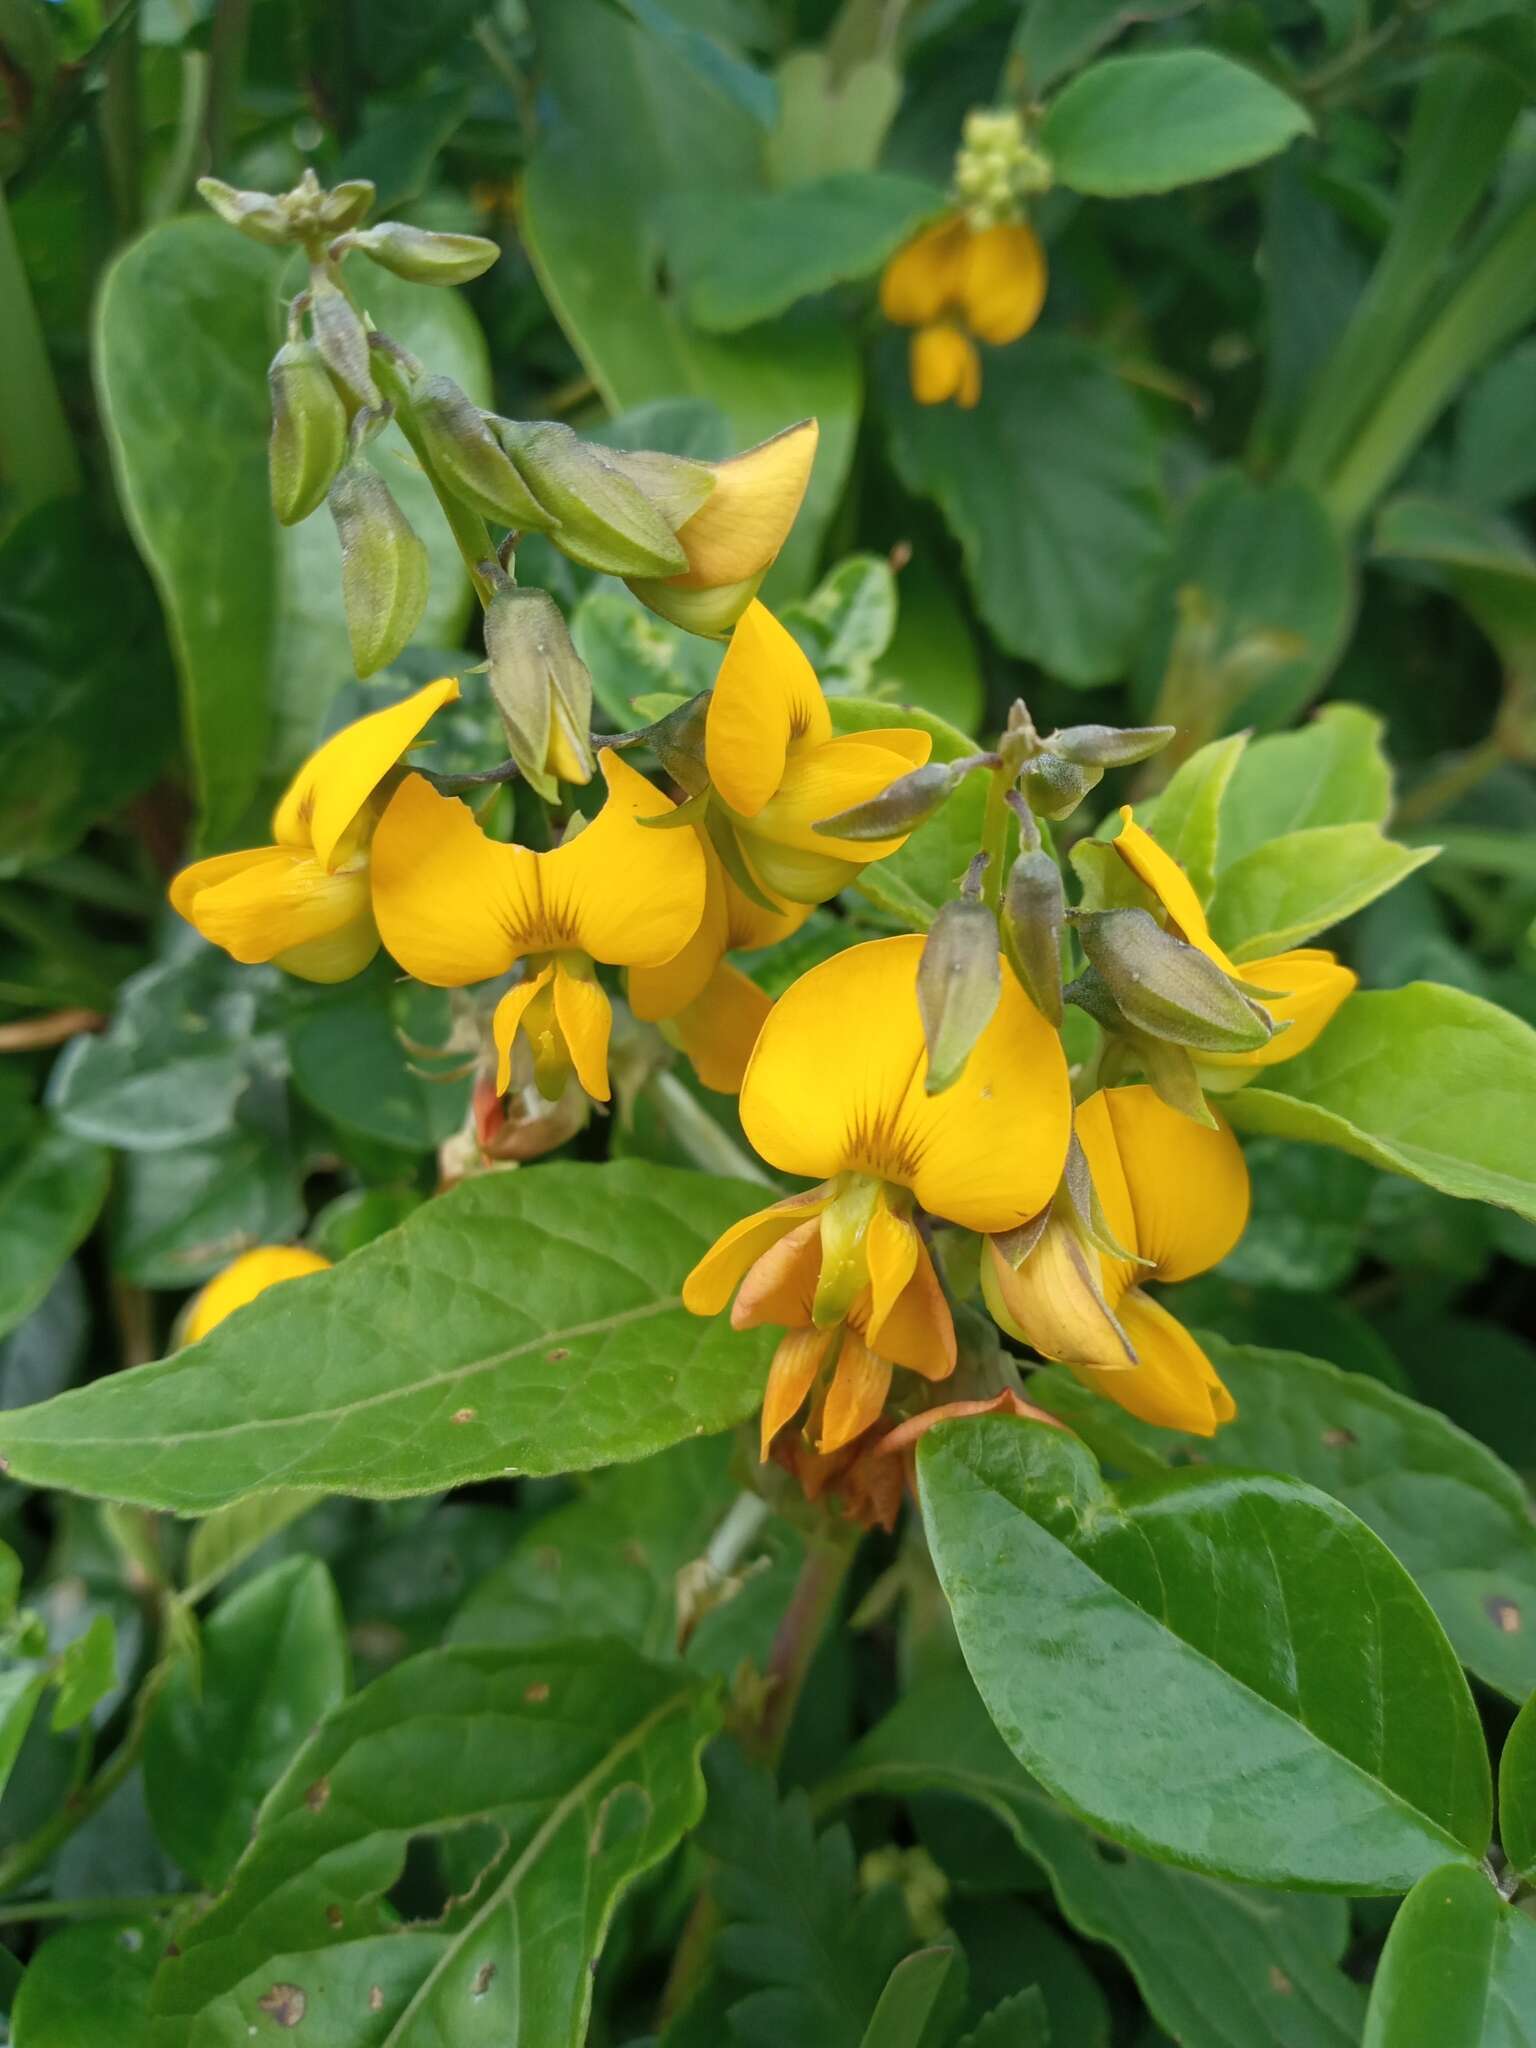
399 146
833 116
846 623
1517 1793
351 1061
913 883
577 1767
20 1690
1174 117
89 1984
354 1219
1021 2021
1459 1969
1308 1215
631 652
221 1542
711 63
1489 562
1495 462
1481 1375
222 1731
1425 1081
593 199
1189 815
1056 36
932 658
187 320
1220 1966
521 1322
401 1588
87 708
1283 893
1051 488
756 256
43 1353
911 2000
52 1186
1102 1630
85 1673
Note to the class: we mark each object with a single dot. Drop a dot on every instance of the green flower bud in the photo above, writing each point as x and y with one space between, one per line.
383 566
1034 910
424 256
542 687
256 214
674 485
606 521
344 205
1055 786
900 806
341 338
471 461
1109 746
959 985
709 612
309 431
1168 989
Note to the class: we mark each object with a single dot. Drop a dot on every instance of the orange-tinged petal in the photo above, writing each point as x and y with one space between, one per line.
324 798
249 1275
820 781
277 906
624 894
857 1393
1056 1301
1315 984
780 1286
714 1279
943 365
1187 1183
836 1082
510 1012
919 1332
891 1246
720 1027
1174 1384
585 1017
765 696
926 275
453 905
746 519
1161 873
794 1368
661 991
1003 285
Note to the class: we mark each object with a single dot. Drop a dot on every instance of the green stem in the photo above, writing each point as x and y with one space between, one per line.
994 836
37 454
133 1907
707 1145
181 164
121 122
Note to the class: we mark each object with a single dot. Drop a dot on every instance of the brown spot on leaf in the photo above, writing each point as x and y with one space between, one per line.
463 1415
285 2005
1278 1981
1504 1615
557 1356
376 1999
317 1794
634 1553
483 1979
537 1693
333 1915
547 1559
1339 1439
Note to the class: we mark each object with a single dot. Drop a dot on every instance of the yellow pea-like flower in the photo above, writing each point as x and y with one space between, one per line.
834 1091
304 902
242 1280
1174 1194
455 906
958 285
1311 983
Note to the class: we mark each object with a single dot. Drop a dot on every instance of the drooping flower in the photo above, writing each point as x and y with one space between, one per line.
304 902
1174 1194
957 285
835 1091
776 770
1301 989
455 906
242 1280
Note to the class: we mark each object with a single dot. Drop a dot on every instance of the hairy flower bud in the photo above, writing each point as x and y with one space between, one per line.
1169 989
900 807
606 521
341 338
471 461
1109 746
256 214
345 204
1034 910
383 566
425 256
959 985
1055 786
542 687
309 431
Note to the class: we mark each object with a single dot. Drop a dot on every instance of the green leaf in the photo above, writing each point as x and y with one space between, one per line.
85 1673
865 714
1337 1742
593 202
574 1769
51 1189
1056 36
87 1985
1019 2022
1334 771
1496 432
1150 123
1459 1969
608 1564
1051 487
1517 1793
187 319
351 1061
221 1542
754 256
932 659
846 623
223 1730
1188 816
1426 1081
20 1691
631 652
526 1322
1219 1966
1487 560
183 1214
910 1999
1285 892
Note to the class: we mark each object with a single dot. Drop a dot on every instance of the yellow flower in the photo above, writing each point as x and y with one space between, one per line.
249 1275
734 538
835 1091
1175 1194
1311 983
709 1008
304 903
958 285
777 771
455 906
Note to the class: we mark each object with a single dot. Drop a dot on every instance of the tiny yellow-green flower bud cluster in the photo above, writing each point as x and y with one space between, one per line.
997 168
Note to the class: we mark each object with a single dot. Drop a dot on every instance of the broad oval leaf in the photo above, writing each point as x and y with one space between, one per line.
1283 893
1149 123
1426 1081
575 1767
1333 771
1458 1970
51 1188
524 1322
88 1983
1226 1670
1517 1793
